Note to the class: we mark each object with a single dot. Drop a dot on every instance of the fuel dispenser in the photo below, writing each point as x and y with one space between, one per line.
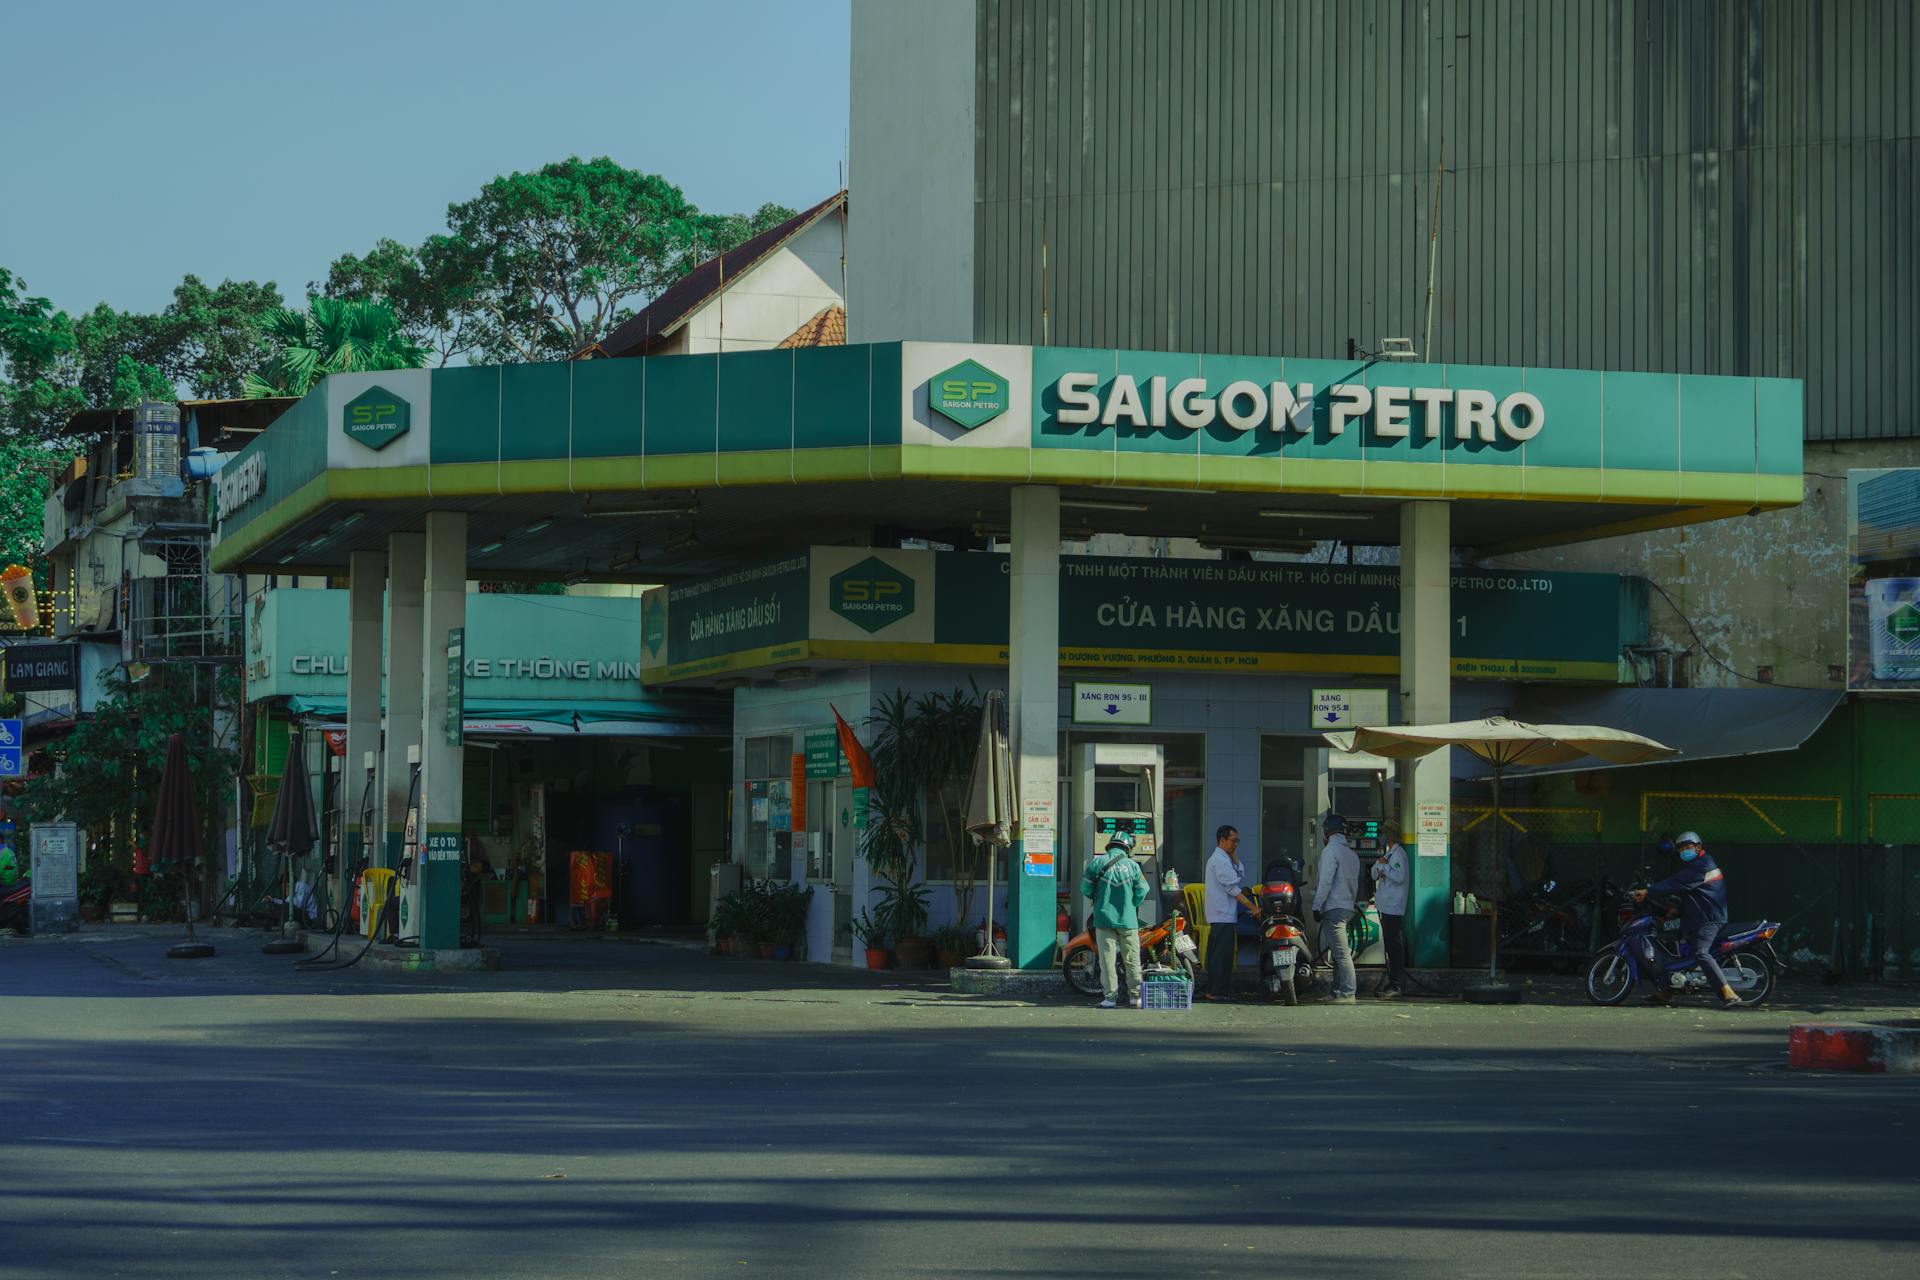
412 854
1359 788
1116 786
375 884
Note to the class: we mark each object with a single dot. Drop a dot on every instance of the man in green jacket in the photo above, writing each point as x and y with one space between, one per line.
1113 884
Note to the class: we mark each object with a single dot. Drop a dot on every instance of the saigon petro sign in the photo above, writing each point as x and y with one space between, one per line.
376 418
969 394
871 595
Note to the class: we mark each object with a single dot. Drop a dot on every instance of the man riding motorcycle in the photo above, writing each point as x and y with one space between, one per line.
1701 888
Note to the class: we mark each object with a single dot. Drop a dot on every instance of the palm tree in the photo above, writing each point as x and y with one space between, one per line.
333 335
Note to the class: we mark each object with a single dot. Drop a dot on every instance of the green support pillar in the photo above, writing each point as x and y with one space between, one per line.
442 753
406 583
1426 697
1033 675
366 598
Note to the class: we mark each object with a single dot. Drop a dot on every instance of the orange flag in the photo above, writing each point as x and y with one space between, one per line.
859 763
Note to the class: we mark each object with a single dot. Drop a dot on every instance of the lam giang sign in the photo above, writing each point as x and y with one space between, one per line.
1393 412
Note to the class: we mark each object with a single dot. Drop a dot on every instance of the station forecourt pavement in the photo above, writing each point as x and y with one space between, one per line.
600 1108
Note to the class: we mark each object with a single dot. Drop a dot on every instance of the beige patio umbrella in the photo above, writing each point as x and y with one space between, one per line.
1503 744
990 811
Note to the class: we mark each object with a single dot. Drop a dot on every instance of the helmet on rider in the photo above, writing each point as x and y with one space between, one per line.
1687 845
1333 824
1665 846
1121 840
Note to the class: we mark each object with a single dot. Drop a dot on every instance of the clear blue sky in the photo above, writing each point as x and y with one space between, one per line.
140 142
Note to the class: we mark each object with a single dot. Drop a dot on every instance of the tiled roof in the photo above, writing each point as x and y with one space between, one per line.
684 296
827 328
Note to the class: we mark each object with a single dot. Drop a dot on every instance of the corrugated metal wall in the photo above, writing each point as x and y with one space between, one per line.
1723 186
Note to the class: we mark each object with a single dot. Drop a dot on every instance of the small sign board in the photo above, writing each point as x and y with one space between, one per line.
456 685
443 846
1102 703
40 668
1038 862
1348 708
825 759
12 738
1435 820
55 906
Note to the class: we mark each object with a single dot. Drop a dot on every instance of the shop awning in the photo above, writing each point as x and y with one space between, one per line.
1705 724
653 717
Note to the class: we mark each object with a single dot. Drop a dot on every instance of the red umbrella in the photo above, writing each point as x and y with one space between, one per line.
176 838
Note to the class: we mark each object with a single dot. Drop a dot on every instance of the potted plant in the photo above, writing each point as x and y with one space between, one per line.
871 934
787 909
725 923
952 943
905 907
97 884
762 928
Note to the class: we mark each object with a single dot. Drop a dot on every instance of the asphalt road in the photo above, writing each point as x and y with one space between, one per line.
609 1109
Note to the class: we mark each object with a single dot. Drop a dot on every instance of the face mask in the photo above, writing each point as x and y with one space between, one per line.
1689 853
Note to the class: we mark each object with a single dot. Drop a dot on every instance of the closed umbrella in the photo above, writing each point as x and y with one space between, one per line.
176 839
1503 744
990 805
291 831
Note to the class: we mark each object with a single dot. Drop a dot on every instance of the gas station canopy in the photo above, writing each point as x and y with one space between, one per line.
669 467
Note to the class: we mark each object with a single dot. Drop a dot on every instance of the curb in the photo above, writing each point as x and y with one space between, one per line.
1853 1046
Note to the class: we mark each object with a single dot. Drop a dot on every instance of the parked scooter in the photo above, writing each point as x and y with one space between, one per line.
1744 952
1168 944
1286 957
16 905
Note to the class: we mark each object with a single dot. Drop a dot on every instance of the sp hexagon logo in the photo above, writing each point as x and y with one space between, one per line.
376 418
871 595
653 622
969 394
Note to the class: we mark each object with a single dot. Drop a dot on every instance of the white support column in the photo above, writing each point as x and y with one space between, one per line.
366 598
1426 687
1033 676
442 754
406 580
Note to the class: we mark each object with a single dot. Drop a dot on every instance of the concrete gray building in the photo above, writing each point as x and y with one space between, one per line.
1711 187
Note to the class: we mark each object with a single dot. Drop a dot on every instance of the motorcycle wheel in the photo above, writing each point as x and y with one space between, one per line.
1751 966
1082 969
1288 992
1609 978
1192 969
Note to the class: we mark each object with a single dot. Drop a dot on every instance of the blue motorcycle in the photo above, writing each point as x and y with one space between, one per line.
1645 949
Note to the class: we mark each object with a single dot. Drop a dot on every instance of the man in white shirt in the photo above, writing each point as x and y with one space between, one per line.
1224 876
1391 880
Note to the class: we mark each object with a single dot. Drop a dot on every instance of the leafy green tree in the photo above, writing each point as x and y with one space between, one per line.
211 337
38 352
26 466
720 232
53 365
332 335
426 287
552 258
539 265
118 359
109 766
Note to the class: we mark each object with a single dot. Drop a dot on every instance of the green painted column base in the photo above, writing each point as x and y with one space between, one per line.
1432 910
1031 907
440 906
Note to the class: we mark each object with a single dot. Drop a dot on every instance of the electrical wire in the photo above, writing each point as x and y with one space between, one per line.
1715 658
